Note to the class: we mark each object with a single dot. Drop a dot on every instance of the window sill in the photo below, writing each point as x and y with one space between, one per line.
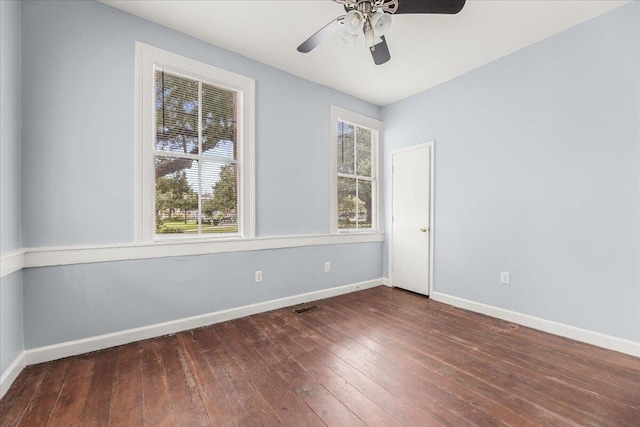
354 231
206 238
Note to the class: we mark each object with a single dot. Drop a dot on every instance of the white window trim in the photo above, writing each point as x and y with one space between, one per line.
337 114
147 57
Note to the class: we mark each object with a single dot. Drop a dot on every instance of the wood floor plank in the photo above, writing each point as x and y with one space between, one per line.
17 400
406 412
319 397
218 409
313 359
330 396
248 405
438 403
73 396
566 401
445 376
498 400
581 370
284 402
186 401
516 338
156 402
474 360
126 400
98 404
379 357
39 410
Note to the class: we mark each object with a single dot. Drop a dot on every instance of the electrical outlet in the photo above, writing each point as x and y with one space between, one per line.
259 276
327 267
505 277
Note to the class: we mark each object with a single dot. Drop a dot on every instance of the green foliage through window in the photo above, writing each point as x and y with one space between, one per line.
196 156
355 179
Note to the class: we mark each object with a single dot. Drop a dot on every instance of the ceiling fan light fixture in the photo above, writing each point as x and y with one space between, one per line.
353 22
381 22
373 18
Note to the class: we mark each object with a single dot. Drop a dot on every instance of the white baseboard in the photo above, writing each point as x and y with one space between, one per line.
12 372
595 338
72 348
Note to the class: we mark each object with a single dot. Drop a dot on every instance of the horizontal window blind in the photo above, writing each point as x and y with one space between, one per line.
355 176
196 156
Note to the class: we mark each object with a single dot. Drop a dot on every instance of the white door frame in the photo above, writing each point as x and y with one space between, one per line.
431 146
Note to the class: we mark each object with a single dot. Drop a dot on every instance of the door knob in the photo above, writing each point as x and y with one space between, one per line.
423 229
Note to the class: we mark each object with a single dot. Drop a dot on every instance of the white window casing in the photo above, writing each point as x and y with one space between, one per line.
375 126
147 60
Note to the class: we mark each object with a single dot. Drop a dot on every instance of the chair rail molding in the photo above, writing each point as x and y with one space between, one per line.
54 256
11 262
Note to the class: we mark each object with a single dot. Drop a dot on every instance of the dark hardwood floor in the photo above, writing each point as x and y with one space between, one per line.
380 357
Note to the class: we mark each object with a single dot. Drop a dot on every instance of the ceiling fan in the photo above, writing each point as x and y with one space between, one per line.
373 18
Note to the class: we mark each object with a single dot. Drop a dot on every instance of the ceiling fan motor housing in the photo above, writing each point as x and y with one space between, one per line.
370 6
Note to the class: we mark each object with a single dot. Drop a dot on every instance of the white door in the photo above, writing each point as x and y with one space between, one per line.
410 218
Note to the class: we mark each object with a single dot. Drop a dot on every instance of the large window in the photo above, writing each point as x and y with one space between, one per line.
355 141
196 137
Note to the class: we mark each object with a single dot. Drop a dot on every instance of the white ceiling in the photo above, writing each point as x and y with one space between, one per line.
425 49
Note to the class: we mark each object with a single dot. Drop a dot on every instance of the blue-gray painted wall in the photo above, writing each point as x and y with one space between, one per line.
78 68
78 80
11 319
537 173
10 127
85 300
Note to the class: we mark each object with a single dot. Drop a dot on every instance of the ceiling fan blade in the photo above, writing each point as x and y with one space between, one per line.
380 52
324 33
430 6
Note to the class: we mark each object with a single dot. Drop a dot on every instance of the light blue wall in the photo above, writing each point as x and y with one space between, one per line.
11 321
10 127
538 174
78 178
78 63
80 301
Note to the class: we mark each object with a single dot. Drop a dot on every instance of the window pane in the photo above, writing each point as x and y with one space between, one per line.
346 203
176 196
365 214
219 122
363 149
345 148
219 197
176 113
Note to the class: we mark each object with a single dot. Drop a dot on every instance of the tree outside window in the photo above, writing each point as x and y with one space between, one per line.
196 156
355 180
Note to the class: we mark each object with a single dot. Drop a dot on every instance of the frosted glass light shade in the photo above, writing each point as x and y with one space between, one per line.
381 22
353 22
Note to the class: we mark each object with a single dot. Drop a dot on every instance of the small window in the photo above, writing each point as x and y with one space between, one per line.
355 141
197 147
